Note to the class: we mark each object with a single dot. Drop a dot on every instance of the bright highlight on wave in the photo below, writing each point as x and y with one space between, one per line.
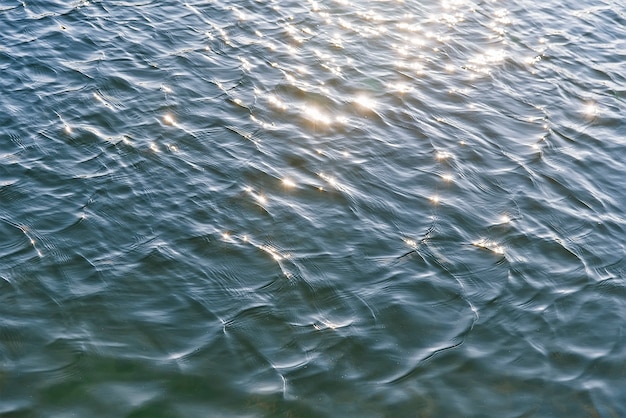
168 120
276 102
442 155
410 242
272 251
489 245
288 183
591 110
331 180
260 198
315 115
365 102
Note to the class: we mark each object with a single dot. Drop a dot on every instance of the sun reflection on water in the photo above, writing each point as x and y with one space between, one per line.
590 110
315 115
169 120
365 102
287 182
276 102
492 246
320 81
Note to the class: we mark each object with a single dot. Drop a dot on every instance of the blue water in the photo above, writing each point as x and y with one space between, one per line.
312 209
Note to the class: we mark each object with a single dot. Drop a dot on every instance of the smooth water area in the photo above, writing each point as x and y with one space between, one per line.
339 208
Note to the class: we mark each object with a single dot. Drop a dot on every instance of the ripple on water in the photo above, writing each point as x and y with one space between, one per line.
311 209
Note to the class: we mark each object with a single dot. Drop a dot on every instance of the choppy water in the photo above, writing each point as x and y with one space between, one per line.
312 209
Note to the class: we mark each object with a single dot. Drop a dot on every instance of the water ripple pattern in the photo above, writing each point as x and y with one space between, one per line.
264 208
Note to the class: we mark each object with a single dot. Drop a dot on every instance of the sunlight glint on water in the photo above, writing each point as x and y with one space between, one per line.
320 208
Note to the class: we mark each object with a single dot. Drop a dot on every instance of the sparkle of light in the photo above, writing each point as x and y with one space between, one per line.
590 110
168 119
365 102
315 115
489 245
288 183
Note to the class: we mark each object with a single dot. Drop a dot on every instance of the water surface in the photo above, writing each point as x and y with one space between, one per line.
312 209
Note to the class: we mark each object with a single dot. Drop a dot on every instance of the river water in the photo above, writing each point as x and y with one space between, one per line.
340 208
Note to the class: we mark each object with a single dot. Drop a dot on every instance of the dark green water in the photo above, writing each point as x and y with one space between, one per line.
312 209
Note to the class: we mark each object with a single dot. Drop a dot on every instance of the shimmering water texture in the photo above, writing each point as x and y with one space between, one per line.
312 208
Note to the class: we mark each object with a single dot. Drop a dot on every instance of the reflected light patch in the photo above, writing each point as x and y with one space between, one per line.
442 155
400 88
418 67
490 57
336 42
590 110
271 46
403 50
168 120
315 115
287 182
265 125
101 99
302 69
261 199
410 242
276 102
245 64
314 5
329 179
345 24
333 69
532 60
489 245
325 324
239 14
272 251
419 42
365 102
